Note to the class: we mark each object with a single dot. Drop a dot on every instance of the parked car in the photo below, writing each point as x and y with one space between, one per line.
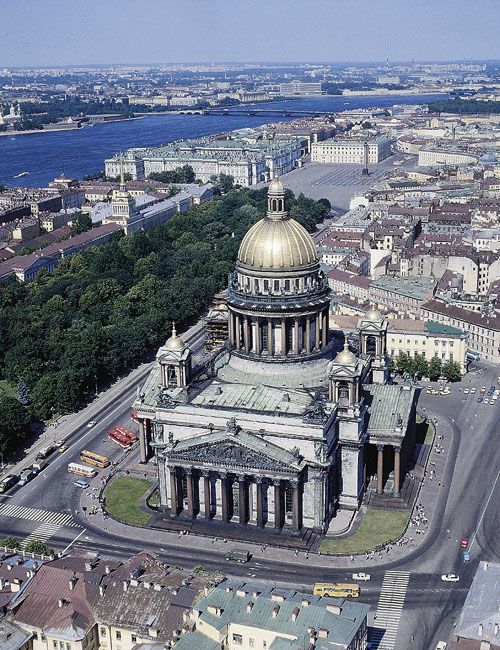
465 542
450 577
479 400
81 484
361 576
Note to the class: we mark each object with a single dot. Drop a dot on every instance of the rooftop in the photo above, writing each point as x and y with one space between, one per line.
412 287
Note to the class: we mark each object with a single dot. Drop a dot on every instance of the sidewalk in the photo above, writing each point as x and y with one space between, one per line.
427 498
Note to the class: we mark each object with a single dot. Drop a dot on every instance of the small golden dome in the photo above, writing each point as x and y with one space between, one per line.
174 342
373 314
277 244
345 356
276 186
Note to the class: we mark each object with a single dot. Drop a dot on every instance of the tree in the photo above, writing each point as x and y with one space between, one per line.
23 392
434 368
38 547
81 223
367 125
15 422
420 366
226 182
11 543
451 370
403 363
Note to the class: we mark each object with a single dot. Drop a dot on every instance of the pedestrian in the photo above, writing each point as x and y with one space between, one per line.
352 558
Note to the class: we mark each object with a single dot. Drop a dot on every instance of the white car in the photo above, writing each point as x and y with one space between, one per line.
91 424
473 390
450 577
466 391
362 577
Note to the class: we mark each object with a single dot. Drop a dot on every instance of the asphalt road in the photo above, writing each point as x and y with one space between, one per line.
468 505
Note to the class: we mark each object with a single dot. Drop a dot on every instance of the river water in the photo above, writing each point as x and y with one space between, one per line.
83 151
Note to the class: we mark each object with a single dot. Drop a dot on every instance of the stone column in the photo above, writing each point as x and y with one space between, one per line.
242 500
308 333
224 497
237 336
278 510
317 339
174 497
231 327
296 336
256 343
260 502
397 472
207 489
283 337
269 337
325 327
380 469
190 492
296 506
142 441
246 337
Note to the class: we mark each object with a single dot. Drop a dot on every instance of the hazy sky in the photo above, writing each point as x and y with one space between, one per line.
51 32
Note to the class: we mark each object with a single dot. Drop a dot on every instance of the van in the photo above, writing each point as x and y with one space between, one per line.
81 484
441 645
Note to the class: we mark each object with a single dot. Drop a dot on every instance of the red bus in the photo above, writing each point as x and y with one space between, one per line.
133 416
119 438
126 432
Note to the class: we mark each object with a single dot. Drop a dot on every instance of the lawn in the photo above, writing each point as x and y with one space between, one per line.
7 389
425 431
122 496
377 527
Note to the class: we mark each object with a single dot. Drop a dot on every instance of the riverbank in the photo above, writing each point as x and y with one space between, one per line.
73 128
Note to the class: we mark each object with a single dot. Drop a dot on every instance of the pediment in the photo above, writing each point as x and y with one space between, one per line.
339 372
370 326
231 453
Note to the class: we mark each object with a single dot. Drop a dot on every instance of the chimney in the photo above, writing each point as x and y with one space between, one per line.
107 569
153 632
125 585
2 583
485 566
72 583
278 598
276 611
157 586
333 609
102 589
305 602
241 592
249 606
295 613
480 630
322 633
9 567
255 593
495 629
60 602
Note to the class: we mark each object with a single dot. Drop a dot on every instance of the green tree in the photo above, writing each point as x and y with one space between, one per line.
38 547
434 368
451 370
81 223
403 363
15 422
226 182
420 366
11 543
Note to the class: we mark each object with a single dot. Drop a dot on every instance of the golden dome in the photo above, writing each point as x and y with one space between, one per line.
345 356
373 314
276 186
277 244
174 342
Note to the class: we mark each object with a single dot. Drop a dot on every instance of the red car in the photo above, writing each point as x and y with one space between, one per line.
464 543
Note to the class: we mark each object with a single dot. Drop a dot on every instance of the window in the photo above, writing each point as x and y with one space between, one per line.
251 643
237 639
42 637
134 638
103 631
264 644
118 635
68 646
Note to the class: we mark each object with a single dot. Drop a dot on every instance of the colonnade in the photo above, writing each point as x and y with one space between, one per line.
211 494
278 336
396 492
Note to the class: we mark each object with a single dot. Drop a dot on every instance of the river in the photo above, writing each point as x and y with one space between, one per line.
83 151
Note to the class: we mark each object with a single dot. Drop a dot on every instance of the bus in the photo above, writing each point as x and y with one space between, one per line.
336 589
126 432
81 469
133 416
119 438
93 459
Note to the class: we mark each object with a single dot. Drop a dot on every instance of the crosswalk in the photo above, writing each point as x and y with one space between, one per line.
41 533
35 514
389 608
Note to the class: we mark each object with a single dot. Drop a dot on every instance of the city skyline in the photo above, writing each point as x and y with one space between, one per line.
277 31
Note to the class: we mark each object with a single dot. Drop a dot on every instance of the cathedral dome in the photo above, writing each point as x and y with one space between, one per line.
174 342
345 356
373 314
277 244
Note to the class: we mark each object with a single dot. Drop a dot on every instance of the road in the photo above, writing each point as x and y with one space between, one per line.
467 505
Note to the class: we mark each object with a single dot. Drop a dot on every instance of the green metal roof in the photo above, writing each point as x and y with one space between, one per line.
437 328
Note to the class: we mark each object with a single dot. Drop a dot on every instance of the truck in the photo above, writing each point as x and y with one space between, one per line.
38 465
336 589
238 555
7 482
43 453
26 475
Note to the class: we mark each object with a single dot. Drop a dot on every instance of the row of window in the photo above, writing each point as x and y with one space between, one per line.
424 342
238 640
422 354
118 635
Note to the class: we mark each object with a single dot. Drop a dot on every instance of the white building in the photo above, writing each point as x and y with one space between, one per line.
350 151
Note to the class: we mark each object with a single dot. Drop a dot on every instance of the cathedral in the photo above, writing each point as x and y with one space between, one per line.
282 428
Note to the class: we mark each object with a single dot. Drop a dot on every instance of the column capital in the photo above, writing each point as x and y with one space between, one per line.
258 479
397 448
222 473
294 482
188 470
241 478
380 447
205 473
276 482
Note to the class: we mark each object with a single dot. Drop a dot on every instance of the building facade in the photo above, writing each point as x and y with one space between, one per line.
279 430
351 151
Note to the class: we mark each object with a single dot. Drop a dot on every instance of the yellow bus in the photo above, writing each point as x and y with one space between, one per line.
336 589
93 459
